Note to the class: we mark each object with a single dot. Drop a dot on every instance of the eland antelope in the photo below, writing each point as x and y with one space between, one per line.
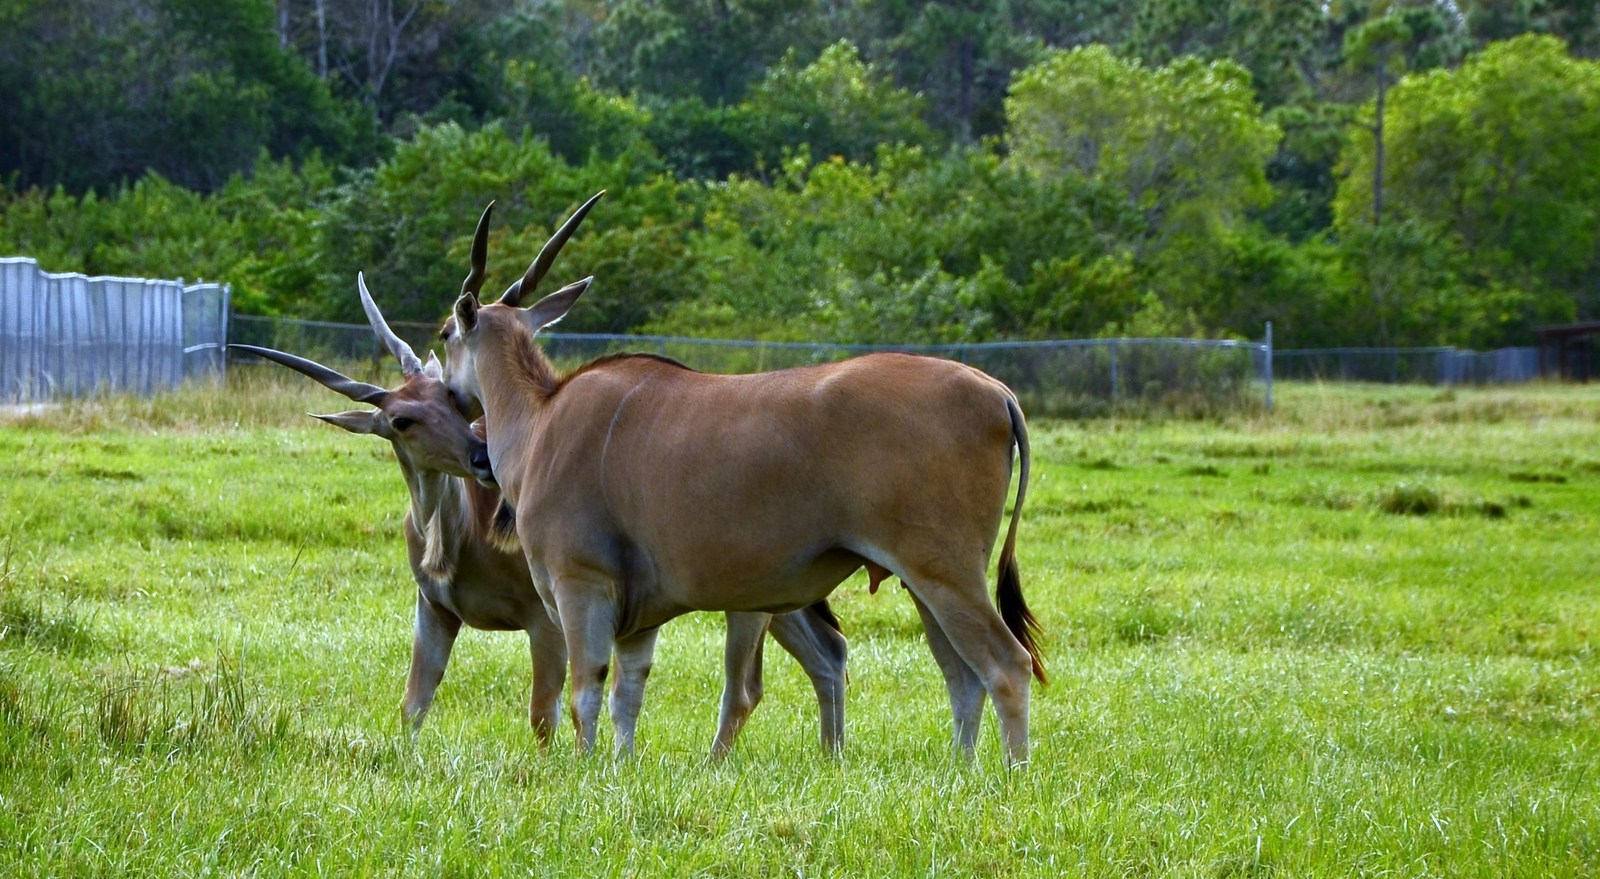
469 568
643 490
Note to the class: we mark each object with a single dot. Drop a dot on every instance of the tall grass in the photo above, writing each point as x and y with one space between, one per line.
1352 637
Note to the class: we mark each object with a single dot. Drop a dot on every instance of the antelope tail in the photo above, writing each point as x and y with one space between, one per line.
1008 592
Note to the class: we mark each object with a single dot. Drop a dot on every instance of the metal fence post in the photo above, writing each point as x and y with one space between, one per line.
227 313
1116 391
1269 366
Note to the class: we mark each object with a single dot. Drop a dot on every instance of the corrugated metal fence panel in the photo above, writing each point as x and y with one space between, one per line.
64 297
1516 364
68 335
168 351
205 329
14 326
17 321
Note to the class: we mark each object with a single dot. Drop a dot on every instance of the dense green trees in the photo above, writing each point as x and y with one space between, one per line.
1359 172
100 92
1493 178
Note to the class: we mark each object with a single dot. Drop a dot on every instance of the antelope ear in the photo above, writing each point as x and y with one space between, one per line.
357 421
433 368
466 312
554 307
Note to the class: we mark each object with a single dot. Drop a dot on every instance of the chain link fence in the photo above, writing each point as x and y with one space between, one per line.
1435 366
1063 378
70 335
67 335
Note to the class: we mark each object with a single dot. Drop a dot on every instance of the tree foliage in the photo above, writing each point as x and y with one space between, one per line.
1164 135
99 92
1500 161
914 170
707 49
1186 145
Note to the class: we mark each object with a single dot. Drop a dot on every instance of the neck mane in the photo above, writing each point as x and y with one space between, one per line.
520 367
439 514
517 363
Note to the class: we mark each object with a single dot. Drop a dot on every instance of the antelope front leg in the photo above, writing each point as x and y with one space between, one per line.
634 654
435 635
589 624
548 649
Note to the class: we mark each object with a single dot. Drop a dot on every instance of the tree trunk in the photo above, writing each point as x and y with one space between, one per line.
1377 149
966 65
322 40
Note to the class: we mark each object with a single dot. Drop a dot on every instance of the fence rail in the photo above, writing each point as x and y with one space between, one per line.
67 335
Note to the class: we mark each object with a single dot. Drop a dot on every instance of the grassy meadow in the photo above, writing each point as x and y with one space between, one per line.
1354 637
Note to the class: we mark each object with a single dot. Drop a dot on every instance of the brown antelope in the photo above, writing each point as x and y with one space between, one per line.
644 489
465 574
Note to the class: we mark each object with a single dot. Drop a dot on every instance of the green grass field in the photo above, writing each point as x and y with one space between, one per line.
1357 637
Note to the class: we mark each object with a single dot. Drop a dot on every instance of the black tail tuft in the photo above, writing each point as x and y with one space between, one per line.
1014 611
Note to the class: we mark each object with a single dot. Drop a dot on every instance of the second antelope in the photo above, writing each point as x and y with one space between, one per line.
644 490
464 574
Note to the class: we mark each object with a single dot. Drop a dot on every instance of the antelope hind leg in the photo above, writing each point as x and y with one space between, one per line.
973 629
741 677
966 690
813 639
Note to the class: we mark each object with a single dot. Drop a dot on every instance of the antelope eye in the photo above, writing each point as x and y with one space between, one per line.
402 423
